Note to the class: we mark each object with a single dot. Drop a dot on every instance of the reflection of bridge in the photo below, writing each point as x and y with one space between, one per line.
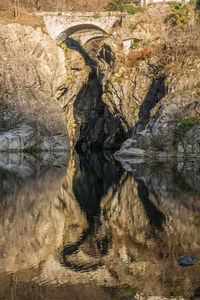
62 25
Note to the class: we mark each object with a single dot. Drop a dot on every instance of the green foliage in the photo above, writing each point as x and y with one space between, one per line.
131 9
59 14
183 126
125 126
134 45
113 5
153 70
180 13
118 80
96 15
188 121
146 42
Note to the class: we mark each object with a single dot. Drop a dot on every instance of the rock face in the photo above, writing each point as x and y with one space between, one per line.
168 119
102 105
32 74
172 131
91 120
110 96
105 95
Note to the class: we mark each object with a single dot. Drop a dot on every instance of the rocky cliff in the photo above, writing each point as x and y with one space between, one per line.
102 93
168 99
150 94
31 73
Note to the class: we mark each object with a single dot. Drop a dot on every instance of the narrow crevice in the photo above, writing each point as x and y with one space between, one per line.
156 92
96 127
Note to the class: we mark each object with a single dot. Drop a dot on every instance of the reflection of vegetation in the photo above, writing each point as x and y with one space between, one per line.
174 287
131 257
196 220
183 187
33 149
125 292
188 191
124 177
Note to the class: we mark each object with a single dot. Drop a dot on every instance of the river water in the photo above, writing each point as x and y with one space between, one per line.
89 228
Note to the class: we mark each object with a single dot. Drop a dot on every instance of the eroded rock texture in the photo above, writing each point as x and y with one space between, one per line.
32 73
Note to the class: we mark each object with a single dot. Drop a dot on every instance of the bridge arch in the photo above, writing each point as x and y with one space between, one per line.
92 38
75 28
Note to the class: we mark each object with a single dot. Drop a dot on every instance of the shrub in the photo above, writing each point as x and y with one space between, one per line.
134 45
96 15
118 4
134 56
183 126
131 9
146 42
180 13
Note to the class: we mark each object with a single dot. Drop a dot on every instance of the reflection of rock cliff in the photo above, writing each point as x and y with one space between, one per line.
31 217
153 223
145 225
132 235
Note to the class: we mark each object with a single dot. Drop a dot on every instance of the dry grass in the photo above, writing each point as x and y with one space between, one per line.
174 53
25 18
176 48
27 7
141 54
55 5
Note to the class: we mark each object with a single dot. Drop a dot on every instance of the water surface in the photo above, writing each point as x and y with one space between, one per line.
90 229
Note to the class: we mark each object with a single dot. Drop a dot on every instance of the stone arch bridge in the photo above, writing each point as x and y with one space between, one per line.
64 24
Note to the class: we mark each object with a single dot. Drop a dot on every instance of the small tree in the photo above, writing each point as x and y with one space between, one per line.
180 14
38 4
16 4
